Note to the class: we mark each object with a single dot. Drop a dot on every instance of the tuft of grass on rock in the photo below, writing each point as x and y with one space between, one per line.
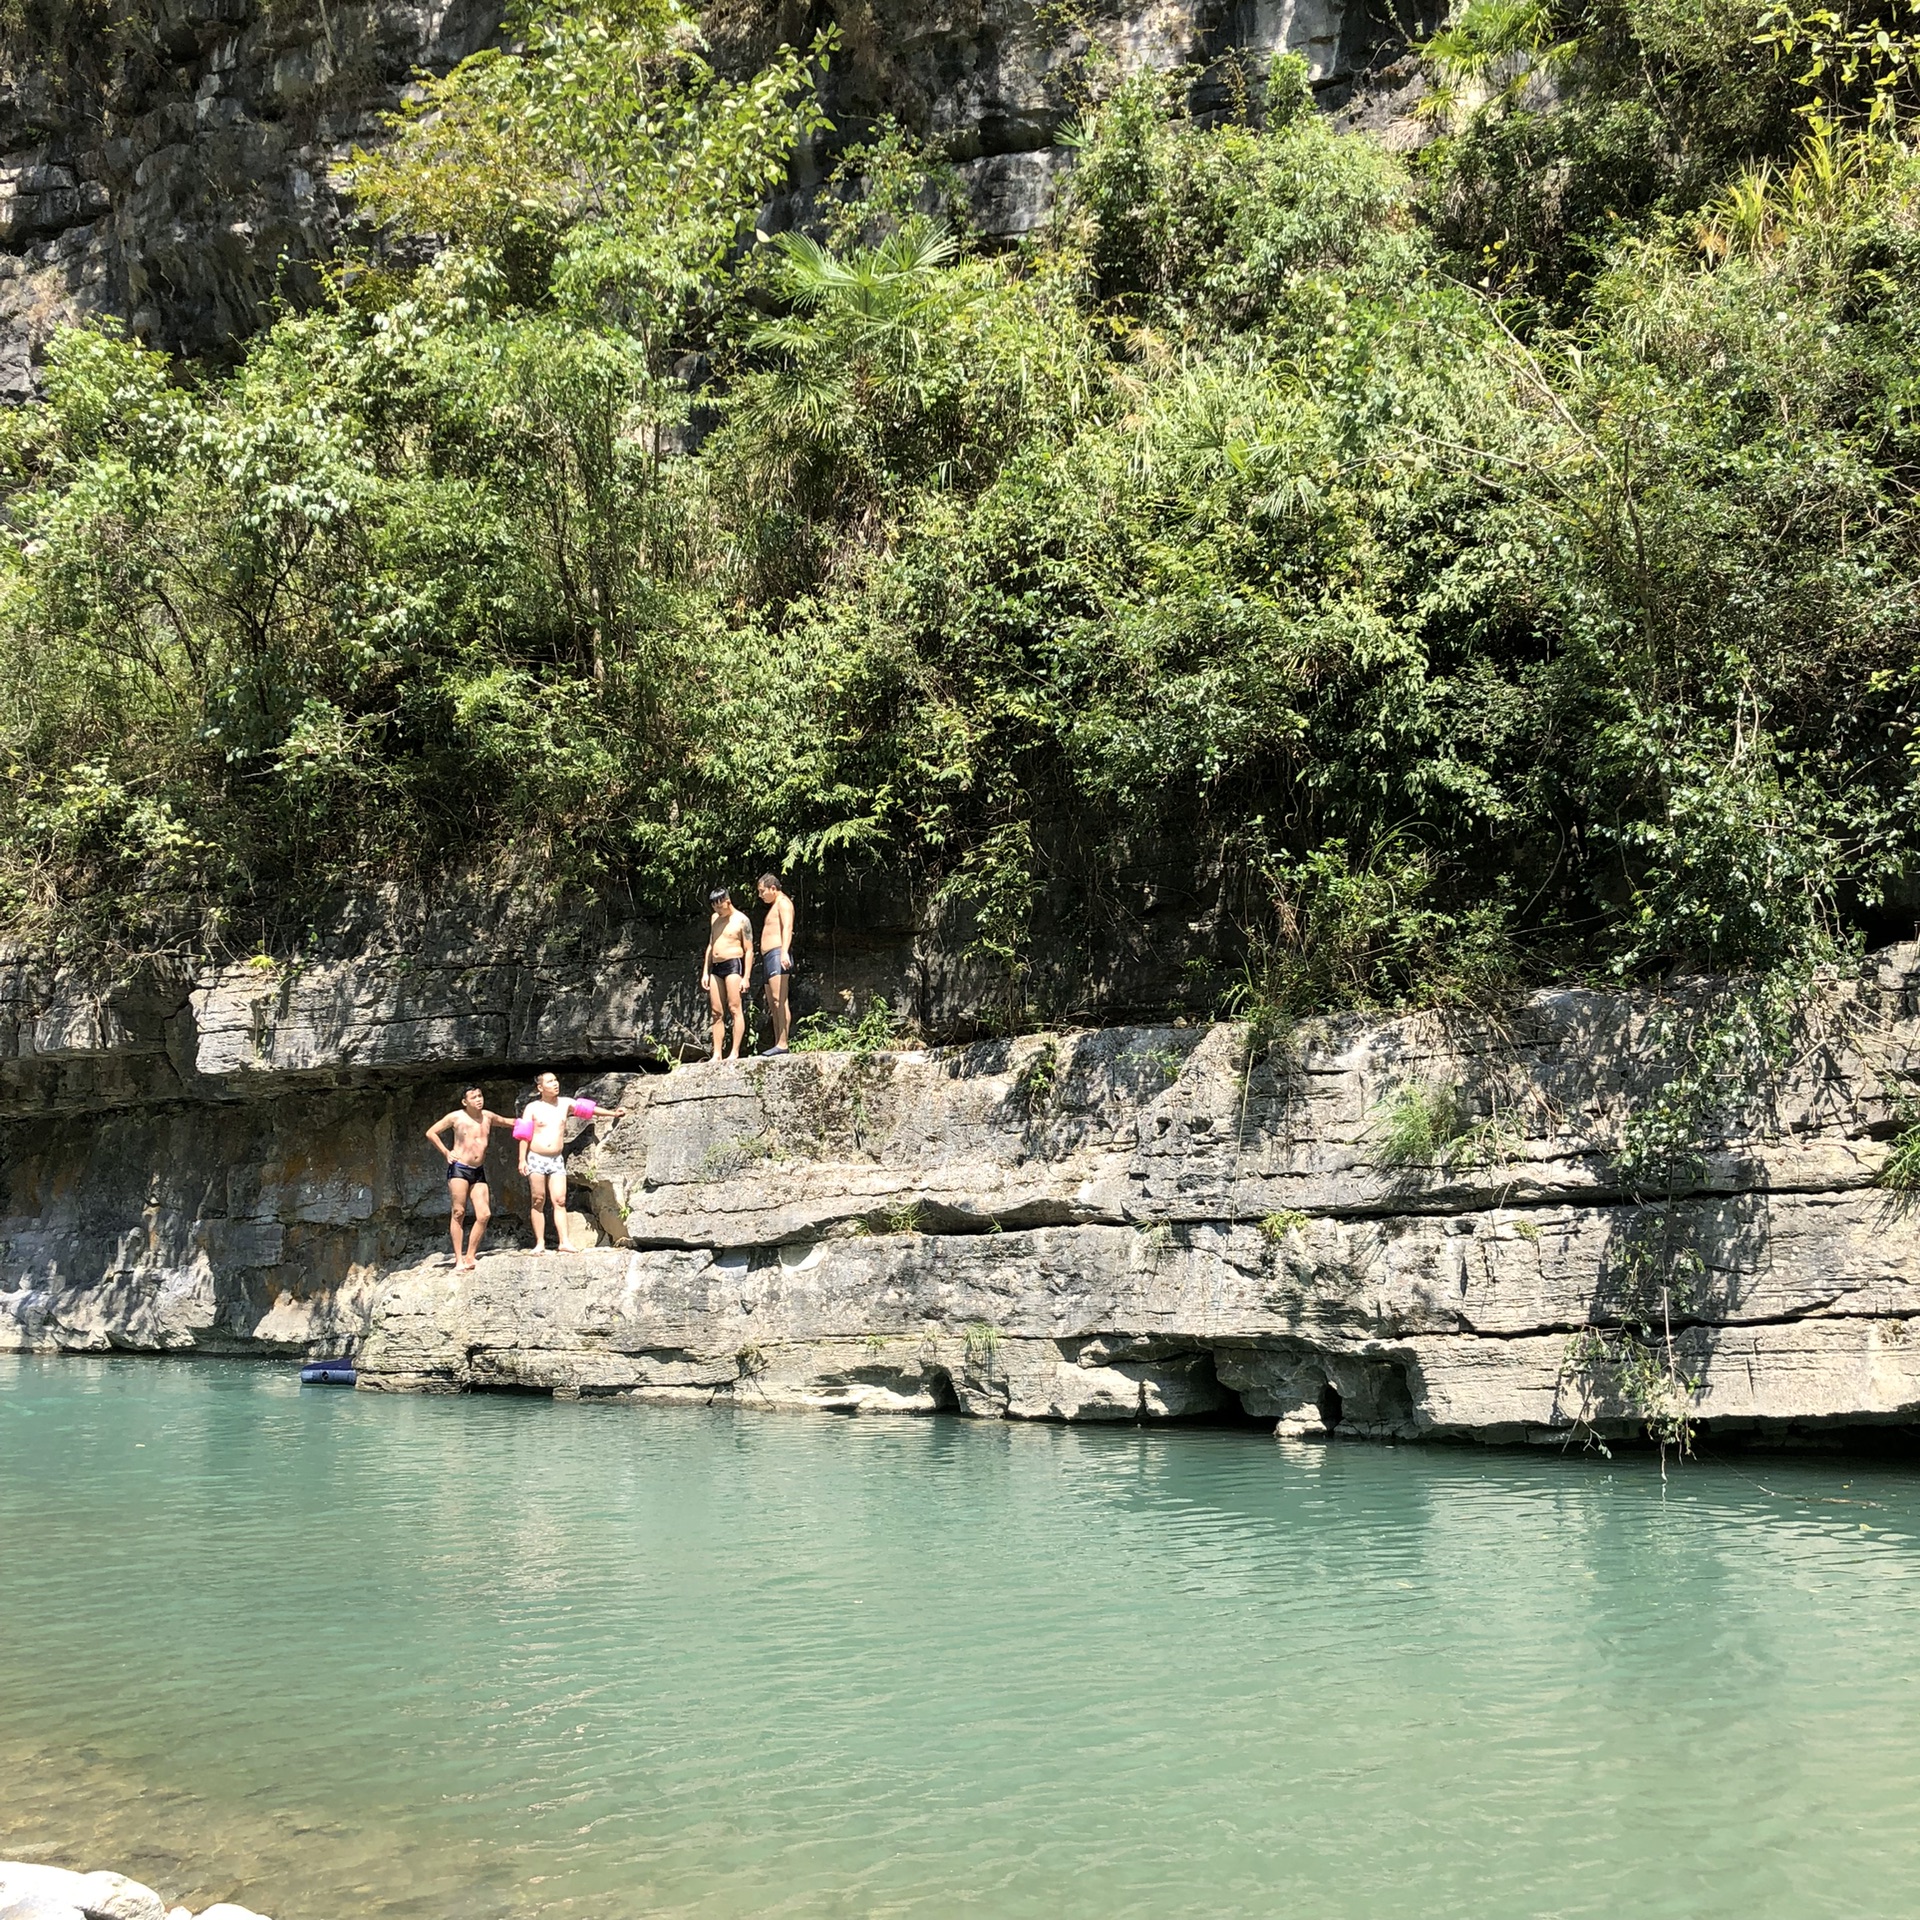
1285 1220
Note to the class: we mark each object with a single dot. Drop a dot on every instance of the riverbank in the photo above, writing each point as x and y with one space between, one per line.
1409 1228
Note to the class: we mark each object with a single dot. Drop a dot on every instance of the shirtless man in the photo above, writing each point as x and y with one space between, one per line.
776 951
466 1160
724 968
542 1165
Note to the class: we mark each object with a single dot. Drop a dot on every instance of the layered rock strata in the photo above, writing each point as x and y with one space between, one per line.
396 986
1135 1223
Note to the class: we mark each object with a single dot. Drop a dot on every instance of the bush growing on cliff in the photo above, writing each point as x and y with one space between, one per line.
598 161
1454 639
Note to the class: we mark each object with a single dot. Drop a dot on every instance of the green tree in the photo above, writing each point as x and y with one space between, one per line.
598 158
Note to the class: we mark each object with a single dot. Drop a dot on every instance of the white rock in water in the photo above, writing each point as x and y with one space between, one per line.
30 1892
112 1896
226 1910
18 1878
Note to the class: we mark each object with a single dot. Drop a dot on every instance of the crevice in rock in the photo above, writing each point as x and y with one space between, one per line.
1231 1411
935 1219
1724 1323
1896 1441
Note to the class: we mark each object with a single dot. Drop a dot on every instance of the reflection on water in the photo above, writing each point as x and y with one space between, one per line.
339 1655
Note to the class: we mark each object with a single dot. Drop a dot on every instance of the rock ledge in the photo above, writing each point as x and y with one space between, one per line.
1134 1223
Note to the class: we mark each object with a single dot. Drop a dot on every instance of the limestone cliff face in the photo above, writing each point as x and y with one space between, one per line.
991 82
1135 1223
171 163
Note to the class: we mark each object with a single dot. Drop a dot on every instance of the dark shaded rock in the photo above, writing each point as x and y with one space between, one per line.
173 170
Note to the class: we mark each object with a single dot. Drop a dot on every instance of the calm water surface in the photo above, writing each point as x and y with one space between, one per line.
344 1656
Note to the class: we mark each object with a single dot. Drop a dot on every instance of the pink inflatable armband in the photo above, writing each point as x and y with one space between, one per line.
523 1129
584 1109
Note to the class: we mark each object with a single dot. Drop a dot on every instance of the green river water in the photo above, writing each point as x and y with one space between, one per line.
338 1655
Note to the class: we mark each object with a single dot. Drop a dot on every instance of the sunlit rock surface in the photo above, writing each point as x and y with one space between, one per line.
1129 1223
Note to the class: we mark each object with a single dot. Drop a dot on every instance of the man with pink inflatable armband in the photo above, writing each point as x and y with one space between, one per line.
542 1133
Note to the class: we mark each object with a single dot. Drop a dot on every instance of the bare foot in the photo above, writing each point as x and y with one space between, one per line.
539 1250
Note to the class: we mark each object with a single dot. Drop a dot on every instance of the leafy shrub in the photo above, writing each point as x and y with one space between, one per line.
1424 1124
872 1032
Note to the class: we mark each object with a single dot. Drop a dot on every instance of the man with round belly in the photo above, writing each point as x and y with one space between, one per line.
725 968
542 1157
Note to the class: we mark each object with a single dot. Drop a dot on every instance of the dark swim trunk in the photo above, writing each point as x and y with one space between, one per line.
776 962
726 969
459 1170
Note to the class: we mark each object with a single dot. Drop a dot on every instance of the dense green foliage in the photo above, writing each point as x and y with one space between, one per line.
1493 567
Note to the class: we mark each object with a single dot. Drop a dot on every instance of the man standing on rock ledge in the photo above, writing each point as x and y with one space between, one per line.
725 967
466 1162
776 953
542 1165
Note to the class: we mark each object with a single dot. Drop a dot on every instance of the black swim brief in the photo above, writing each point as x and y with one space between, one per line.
726 969
776 962
459 1170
